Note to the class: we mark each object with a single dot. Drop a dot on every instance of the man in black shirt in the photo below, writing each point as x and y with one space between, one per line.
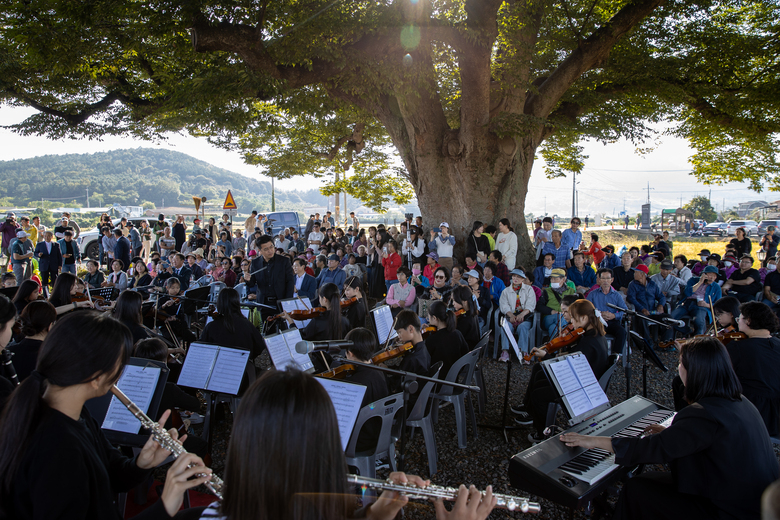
744 283
272 274
772 287
623 275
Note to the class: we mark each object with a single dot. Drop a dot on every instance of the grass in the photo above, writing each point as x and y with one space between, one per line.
681 245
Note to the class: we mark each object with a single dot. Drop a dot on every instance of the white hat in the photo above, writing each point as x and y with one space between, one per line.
444 224
21 234
473 273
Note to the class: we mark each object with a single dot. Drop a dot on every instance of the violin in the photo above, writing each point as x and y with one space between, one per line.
460 312
211 312
302 315
562 341
427 331
345 304
732 335
338 372
98 301
392 353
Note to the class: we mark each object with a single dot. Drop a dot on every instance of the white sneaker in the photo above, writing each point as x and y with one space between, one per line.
504 356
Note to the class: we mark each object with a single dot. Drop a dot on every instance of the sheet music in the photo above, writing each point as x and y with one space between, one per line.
596 395
579 386
297 305
197 365
291 337
244 311
512 340
138 383
564 373
582 370
579 403
228 370
383 319
347 398
280 354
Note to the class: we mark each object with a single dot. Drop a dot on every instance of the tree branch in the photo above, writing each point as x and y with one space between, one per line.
72 119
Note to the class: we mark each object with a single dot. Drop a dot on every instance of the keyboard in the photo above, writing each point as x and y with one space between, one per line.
572 476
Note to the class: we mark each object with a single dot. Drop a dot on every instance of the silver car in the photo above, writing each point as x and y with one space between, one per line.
751 227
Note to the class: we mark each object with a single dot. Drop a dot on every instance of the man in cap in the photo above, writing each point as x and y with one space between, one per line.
647 299
549 304
669 284
333 274
21 253
442 243
601 299
69 222
32 231
517 304
699 292
704 254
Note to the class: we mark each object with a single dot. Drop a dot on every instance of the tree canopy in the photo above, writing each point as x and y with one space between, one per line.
466 91
701 208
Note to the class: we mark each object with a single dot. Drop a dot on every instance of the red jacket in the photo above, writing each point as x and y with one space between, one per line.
391 265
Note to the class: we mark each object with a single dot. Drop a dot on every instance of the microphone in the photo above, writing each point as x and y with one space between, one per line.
676 323
617 308
335 346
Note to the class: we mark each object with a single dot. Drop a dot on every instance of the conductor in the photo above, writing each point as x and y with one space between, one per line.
272 274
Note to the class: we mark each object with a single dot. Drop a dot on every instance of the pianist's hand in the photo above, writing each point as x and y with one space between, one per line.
654 428
586 441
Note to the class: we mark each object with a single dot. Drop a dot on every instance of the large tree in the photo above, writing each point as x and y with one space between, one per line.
466 91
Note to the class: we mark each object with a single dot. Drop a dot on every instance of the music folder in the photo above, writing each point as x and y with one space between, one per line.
214 368
143 381
383 324
580 391
347 399
281 348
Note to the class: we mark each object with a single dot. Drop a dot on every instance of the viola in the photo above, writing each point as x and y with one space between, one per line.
562 341
338 372
392 353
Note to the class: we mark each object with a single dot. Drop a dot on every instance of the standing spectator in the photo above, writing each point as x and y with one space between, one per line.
769 242
32 231
70 252
315 238
239 242
122 249
250 224
355 221
224 241
572 237
36 221
179 232
21 253
477 245
166 243
158 229
391 261
135 239
9 229
506 242
329 218
108 242
442 244
71 224
49 260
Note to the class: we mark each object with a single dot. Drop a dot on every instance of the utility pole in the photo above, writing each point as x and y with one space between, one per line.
273 196
87 197
648 191
573 194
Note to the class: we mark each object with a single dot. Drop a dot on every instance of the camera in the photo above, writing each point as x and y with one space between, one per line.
409 216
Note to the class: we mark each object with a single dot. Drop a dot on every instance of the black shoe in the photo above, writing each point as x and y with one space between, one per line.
524 418
518 409
535 438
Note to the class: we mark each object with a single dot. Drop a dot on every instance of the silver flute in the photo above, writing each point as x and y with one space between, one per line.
447 493
162 436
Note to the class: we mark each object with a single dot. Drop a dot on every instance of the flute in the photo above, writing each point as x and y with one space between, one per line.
161 435
447 493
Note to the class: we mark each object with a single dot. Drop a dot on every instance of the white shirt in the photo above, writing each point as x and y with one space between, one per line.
315 236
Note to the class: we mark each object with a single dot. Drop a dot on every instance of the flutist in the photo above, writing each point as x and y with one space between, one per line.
55 461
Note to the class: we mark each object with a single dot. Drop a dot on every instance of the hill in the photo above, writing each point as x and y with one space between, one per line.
135 176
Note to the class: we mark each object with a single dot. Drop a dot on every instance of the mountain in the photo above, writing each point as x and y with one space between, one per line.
135 176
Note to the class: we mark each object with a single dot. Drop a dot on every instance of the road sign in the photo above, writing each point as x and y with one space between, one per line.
229 202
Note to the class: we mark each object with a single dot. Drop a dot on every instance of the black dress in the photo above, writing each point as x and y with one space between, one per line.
721 460
244 336
446 346
469 327
376 388
318 328
756 362
6 387
63 450
25 356
356 314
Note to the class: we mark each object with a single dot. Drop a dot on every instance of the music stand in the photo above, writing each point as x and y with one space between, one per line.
647 353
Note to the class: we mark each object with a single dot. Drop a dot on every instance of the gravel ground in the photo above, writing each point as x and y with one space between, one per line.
485 460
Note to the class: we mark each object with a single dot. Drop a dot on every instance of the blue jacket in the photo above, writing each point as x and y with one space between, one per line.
496 288
48 261
645 296
327 276
587 278
309 289
712 291
610 262
76 251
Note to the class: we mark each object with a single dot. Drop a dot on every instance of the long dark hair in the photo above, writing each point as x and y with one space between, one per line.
505 221
440 311
25 290
60 293
229 307
356 283
709 370
285 458
37 316
81 347
463 296
728 304
330 291
128 307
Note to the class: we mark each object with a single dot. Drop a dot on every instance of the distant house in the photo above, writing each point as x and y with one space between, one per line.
746 208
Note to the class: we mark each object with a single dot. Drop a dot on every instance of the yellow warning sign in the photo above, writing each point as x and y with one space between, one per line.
229 202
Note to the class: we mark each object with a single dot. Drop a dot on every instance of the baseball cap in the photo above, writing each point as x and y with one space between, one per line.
473 273
558 273
518 272
444 224
334 258
433 255
641 267
21 234
666 264
710 269
704 252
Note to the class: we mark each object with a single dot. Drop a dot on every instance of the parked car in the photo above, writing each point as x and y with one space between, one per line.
766 223
88 240
715 229
283 219
751 227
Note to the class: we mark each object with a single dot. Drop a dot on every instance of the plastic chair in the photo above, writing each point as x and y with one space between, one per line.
458 396
386 409
241 289
420 417
233 401
478 376
214 289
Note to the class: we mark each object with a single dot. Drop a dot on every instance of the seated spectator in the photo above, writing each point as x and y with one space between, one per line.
401 295
420 282
601 299
772 288
595 250
770 266
730 264
432 263
580 274
457 276
441 288
647 299
480 295
681 269
744 283
517 304
670 285
549 305
699 291
543 272
654 267
493 284
501 271
623 275
333 273
352 268
611 260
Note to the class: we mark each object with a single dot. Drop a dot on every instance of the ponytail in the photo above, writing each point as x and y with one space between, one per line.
330 291
444 315
81 347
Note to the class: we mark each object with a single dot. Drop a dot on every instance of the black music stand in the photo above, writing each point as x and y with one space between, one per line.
644 345
503 426
647 353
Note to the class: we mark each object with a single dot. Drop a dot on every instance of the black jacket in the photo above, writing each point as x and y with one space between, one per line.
277 282
756 362
48 261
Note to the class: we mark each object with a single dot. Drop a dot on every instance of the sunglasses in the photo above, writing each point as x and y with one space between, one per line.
440 277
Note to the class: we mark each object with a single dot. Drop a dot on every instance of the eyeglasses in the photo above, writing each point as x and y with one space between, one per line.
440 277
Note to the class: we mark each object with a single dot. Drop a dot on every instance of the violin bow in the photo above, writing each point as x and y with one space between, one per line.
306 307
390 332
714 321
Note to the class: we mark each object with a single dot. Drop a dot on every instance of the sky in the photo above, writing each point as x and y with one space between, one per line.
615 176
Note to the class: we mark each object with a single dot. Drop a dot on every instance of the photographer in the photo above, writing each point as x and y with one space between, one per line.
9 228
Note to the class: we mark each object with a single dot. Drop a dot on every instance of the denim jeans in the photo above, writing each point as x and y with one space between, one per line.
69 268
522 332
550 324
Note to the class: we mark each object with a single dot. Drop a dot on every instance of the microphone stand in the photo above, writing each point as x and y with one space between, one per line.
647 349
410 387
